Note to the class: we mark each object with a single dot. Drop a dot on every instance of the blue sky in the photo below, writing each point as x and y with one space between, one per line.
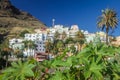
84 13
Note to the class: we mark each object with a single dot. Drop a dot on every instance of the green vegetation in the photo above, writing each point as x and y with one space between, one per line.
95 62
23 33
18 71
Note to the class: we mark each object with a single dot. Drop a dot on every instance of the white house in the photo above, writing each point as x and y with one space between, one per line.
29 52
14 40
16 43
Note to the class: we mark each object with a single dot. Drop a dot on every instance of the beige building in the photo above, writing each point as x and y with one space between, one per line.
102 36
116 41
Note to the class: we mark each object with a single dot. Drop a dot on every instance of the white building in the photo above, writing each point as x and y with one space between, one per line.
57 28
16 43
102 36
39 40
34 37
52 30
29 52
14 40
88 36
40 46
73 30
61 28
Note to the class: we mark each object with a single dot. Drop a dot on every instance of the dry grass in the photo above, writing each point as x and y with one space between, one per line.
22 23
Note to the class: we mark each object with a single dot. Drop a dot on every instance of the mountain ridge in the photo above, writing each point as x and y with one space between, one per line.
7 10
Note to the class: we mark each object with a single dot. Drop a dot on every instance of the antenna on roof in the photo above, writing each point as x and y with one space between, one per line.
53 22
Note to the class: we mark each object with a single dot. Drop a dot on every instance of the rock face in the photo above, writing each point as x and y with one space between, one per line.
10 16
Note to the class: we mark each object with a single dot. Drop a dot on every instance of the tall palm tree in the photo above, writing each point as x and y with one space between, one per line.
108 20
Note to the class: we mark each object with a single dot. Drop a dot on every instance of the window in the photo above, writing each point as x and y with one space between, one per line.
16 41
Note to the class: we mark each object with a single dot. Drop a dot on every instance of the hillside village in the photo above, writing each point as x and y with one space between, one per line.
39 50
36 36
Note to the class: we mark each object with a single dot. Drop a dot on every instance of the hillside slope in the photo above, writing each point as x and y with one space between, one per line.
11 17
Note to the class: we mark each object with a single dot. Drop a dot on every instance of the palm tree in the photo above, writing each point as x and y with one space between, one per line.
48 46
6 52
29 44
108 20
